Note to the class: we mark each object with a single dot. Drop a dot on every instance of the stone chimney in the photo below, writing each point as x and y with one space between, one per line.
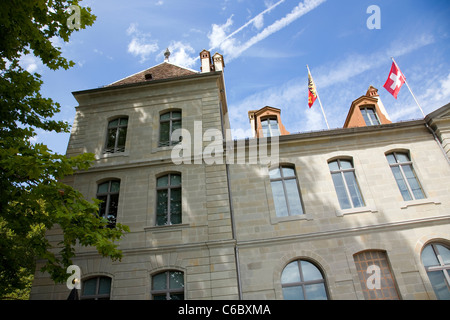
205 58
219 64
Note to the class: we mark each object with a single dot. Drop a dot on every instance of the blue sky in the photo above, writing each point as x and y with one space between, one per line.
266 46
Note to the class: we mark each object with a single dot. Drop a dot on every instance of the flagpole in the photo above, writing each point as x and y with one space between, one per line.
318 98
406 82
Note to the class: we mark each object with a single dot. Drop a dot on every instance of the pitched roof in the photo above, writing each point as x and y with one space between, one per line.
165 70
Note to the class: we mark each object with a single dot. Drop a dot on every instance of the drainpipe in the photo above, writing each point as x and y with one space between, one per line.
230 201
438 142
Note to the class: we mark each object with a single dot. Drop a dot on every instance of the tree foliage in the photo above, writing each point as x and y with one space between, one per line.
33 196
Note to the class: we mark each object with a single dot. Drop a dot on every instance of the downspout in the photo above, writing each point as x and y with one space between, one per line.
230 200
438 142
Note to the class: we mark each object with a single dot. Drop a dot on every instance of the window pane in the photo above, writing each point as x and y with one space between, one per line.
413 182
164 134
333 166
113 123
159 281
373 117
122 137
165 116
288 172
444 252
115 186
176 296
391 159
274 127
176 114
176 280
401 183
103 188
111 141
89 287
279 199
104 285
316 292
366 118
124 121
293 293
162 181
439 284
295 204
161 207
274 173
175 179
353 188
102 206
310 271
290 273
175 206
159 297
176 124
344 201
346 164
429 258
402 157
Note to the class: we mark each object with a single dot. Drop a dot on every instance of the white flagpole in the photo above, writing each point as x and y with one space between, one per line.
406 82
318 98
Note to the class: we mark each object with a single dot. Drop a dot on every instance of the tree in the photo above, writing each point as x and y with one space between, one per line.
33 196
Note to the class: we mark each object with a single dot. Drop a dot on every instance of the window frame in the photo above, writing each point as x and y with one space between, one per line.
282 178
302 283
170 120
269 127
400 165
341 172
445 268
169 189
108 195
167 291
96 296
366 116
116 148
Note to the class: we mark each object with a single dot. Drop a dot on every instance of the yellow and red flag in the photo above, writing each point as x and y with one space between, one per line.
312 93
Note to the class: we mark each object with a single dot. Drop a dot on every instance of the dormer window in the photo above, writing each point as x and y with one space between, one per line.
270 127
370 116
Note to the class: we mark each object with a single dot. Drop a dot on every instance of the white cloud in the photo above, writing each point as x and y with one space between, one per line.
181 54
31 63
233 49
141 45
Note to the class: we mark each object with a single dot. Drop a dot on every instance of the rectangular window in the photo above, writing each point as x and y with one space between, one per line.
168 200
344 179
168 123
286 193
270 127
116 135
405 176
370 116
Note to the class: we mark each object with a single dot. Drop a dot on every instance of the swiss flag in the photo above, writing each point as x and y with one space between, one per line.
395 80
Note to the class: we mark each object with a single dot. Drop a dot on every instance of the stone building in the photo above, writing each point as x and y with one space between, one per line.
360 212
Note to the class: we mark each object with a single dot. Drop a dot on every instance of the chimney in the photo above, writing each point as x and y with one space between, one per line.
205 58
219 64
166 55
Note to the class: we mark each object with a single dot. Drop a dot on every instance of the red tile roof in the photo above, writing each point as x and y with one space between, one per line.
165 70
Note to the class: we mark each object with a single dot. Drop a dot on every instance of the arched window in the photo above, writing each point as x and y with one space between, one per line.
285 190
108 193
270 127
405 176
302 280
97 288
377 281
168 285
168 123
117 135
168 199
436 260
347 188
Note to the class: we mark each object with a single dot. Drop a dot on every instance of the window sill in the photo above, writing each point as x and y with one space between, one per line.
168 227
114 154
367 209
304 216
406 204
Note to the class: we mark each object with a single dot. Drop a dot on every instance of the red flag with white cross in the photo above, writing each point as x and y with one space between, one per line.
395 80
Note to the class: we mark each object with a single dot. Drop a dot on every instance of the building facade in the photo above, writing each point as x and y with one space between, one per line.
360 212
